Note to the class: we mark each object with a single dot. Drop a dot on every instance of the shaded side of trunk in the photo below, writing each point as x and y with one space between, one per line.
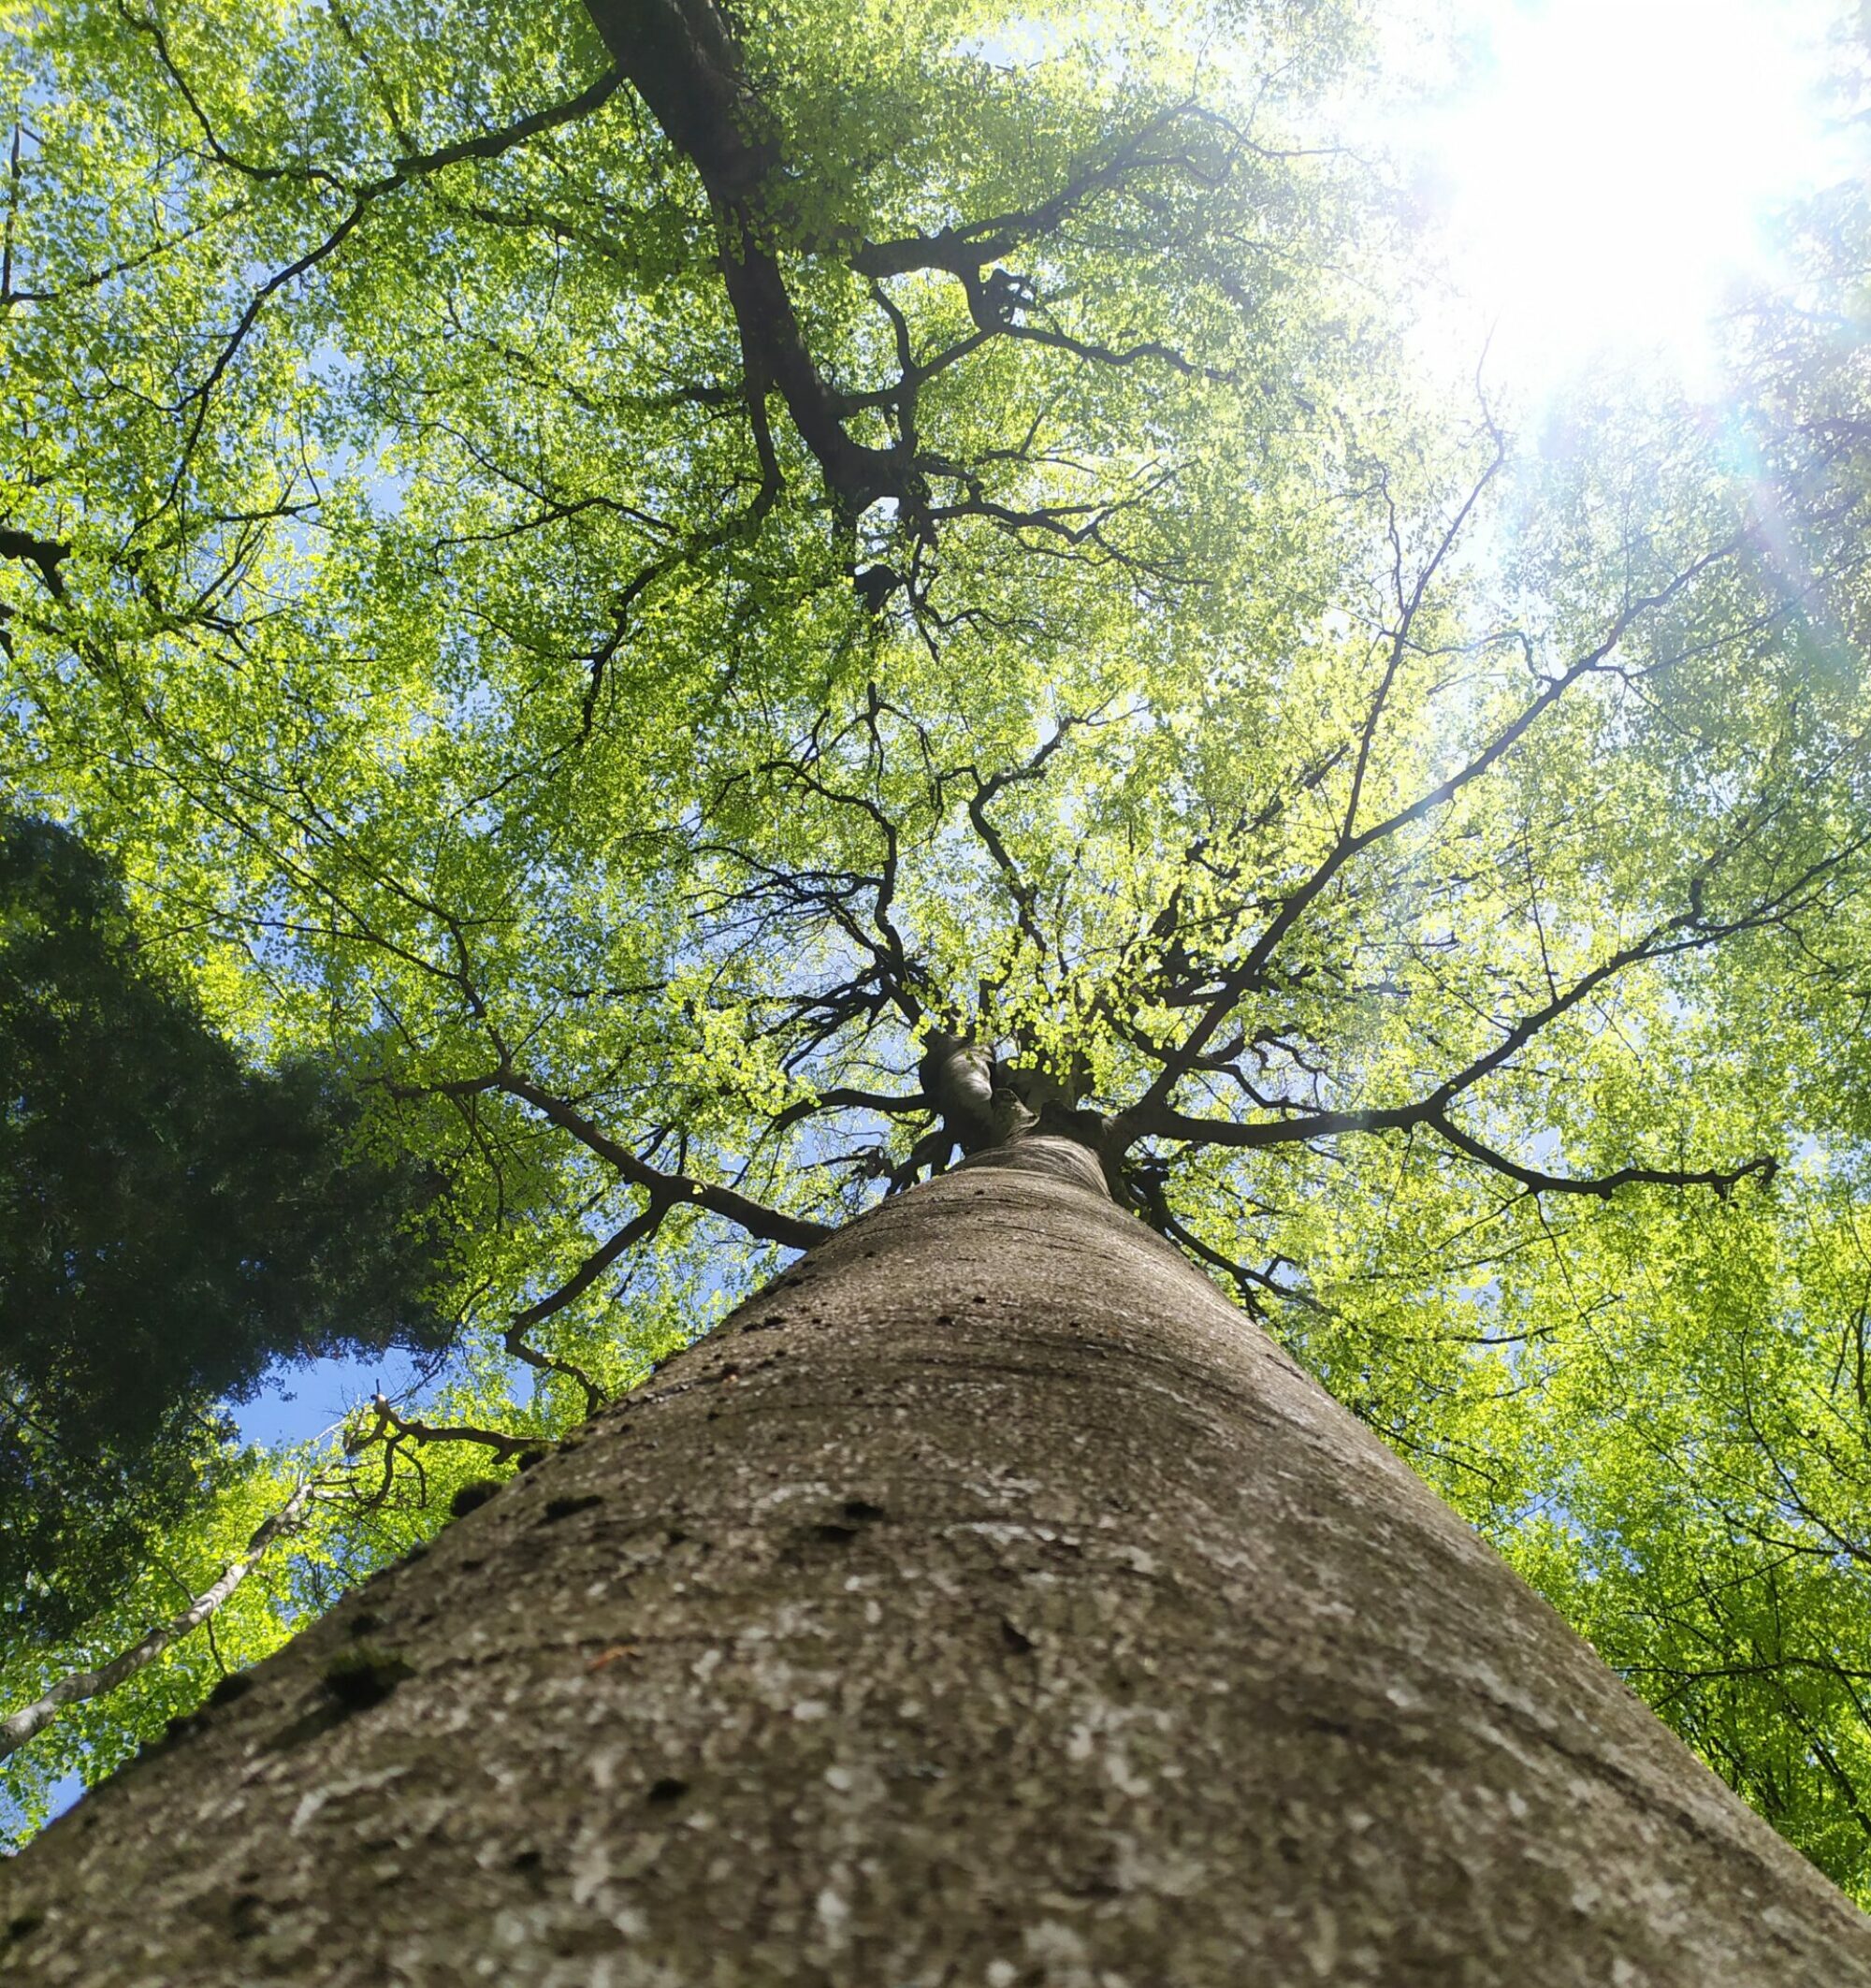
986 1602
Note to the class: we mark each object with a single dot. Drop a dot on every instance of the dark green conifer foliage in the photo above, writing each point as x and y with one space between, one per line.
172 1224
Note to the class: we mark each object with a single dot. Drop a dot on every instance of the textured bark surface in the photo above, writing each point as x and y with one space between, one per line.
987 1604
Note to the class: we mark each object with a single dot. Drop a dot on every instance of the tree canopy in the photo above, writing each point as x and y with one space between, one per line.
171 1224
750 596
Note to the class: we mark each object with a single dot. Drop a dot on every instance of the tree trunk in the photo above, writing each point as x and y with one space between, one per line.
987 1603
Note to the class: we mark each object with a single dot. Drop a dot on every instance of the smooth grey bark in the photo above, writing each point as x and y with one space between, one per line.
988 1603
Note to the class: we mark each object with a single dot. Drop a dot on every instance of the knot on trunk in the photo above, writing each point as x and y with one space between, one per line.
1010 1114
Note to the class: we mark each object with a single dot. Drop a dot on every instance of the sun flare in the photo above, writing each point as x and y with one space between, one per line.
1606 169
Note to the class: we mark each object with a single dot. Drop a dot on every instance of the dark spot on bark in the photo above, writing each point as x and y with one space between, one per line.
978 1299
182 1724
365 1623
473 1566
832 1535
417 1552
236 1684
714 1415
527 1859
359 1679
675 1536
668 1789
557 1508
528 1457
308 1726
731 1373
766 1325
471 1495
862 1510
945 1318
1017 1640
245 1914
23 1924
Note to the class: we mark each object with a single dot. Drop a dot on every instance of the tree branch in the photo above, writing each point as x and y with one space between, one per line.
1350 842
21 1726
501 1443
43 554
770 1225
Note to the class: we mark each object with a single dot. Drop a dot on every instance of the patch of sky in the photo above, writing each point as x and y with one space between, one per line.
1018 43
298 1404
1599 171
339 373
473 701
63 1794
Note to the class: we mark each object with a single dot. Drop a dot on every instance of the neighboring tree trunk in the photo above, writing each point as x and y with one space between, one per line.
988 1603
75 1686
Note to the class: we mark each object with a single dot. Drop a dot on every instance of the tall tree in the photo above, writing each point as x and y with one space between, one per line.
846 631
171 1225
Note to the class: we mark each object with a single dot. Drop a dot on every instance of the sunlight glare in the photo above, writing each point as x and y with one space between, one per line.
1606 168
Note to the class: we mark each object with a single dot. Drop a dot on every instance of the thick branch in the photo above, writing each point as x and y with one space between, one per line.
43 554
1160 1121
682 60
1723 1179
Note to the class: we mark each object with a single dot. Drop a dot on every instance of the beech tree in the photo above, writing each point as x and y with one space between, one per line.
849 631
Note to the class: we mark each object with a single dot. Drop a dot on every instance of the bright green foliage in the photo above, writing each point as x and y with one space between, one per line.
676 637
1708 1493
